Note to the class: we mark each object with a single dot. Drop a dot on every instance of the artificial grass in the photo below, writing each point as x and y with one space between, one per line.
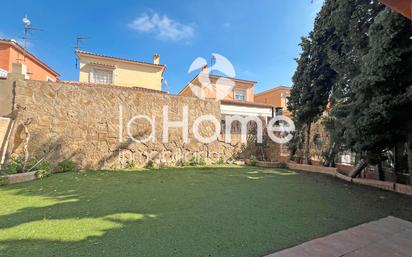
218 211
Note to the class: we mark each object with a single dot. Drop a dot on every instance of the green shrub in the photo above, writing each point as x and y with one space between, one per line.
42 173
44 169
130 164
197 161
151 165
4 181
201 161
45 165
182 163
66 165
253 160
221 160
15 165
193 162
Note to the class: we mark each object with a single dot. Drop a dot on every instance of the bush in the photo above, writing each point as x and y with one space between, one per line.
197 161
253 160
130 164
45 165
4 181
182 163
201 161
44 169
66 165
15 165
221 160
151 165
42 173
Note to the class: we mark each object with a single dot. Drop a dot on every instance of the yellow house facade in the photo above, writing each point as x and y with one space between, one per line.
102 69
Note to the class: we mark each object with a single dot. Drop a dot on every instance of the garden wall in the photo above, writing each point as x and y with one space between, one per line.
81 122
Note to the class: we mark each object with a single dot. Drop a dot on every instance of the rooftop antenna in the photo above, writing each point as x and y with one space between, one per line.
79 40
212 62
27 30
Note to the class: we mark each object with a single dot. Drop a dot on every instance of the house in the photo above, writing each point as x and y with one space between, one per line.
403 7
12 52
214 86
235 95
278 97
103 69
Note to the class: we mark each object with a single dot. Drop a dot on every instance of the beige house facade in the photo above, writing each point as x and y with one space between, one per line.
102 69
277 97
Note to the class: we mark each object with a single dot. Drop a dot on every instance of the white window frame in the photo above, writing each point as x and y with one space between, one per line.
91 74
240 90
3 73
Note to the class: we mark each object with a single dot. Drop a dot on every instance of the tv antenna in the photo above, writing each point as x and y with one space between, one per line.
79 40
27 30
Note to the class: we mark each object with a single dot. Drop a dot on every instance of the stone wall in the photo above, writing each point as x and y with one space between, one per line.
6 97
81 122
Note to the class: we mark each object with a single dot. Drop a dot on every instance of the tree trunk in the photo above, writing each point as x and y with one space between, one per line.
381 171
358 169
398 156
307 144
409 149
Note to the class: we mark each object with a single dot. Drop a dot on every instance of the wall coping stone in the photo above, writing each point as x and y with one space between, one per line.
21 177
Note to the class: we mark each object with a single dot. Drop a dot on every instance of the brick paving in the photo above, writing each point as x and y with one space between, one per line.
387 237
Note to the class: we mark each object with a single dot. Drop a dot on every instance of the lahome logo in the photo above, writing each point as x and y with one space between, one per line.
281 124
279 128
223 86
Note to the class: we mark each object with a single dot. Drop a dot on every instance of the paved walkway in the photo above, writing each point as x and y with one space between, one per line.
387 237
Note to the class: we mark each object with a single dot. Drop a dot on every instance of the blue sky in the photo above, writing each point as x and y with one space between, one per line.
260 38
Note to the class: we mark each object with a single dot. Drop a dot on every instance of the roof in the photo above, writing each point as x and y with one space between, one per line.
273 89
22 49
77 83
217 77
404 7
235 79
243 103
81 52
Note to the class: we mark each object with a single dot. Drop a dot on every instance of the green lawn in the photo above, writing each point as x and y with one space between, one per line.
226 211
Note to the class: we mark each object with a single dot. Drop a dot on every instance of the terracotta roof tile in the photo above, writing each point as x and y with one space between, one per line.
117 58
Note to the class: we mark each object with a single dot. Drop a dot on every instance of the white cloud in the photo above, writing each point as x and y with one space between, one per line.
163 26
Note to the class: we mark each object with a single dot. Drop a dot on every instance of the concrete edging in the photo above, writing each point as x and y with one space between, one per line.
385 185
20 177
312 168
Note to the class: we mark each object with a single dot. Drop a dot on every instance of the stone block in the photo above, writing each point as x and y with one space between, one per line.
403 189
390 186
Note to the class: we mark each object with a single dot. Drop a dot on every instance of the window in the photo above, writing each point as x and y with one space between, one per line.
101 76
279 111
240 95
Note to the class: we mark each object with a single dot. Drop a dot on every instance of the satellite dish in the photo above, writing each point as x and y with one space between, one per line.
26 21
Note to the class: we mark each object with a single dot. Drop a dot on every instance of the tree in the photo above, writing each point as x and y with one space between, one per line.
311 81
380 114
349 24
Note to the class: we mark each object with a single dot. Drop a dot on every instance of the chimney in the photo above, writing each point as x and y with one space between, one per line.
156 59
19 69
204 69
